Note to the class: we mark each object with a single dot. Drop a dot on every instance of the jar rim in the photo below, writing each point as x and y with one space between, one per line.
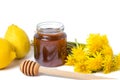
50 25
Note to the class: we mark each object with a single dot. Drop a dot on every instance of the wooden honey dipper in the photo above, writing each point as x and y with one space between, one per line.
31 68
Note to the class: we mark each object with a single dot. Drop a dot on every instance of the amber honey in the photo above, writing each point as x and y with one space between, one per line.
50 45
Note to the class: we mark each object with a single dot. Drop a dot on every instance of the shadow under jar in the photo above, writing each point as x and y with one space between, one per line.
50 44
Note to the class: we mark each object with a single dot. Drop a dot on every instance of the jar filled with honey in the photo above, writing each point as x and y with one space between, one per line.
50 44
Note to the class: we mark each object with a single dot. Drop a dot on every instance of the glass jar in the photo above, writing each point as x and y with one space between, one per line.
50 44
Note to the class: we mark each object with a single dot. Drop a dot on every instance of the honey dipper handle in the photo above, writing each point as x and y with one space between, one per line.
67 74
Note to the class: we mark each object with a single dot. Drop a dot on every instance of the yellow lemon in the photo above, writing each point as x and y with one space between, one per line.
19 39
7 53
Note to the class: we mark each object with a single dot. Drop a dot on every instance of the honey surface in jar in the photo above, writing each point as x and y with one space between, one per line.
50 47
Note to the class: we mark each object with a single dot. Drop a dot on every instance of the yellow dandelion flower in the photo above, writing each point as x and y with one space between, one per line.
107 50
95 64
77 50
70 60
81 67
104 40
116 64
107 64
78 54
95 42
95 56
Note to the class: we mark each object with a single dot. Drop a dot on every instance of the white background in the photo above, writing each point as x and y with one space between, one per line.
80 17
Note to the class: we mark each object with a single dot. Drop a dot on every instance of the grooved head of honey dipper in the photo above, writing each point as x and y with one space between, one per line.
29 68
